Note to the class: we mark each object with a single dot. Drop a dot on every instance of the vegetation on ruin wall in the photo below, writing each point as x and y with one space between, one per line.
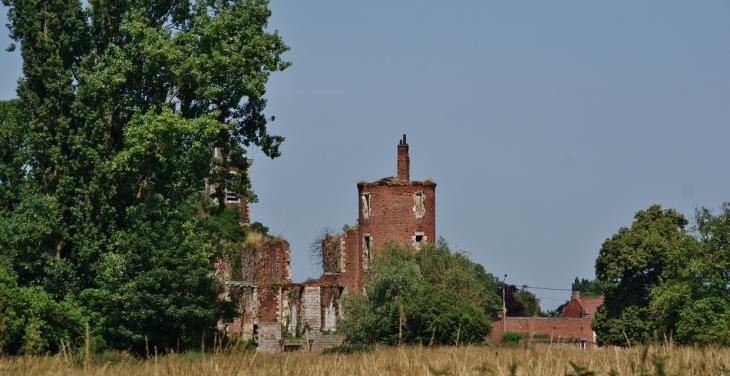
102 157
666 280
431 296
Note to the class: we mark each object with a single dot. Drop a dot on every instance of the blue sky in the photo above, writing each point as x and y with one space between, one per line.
546 125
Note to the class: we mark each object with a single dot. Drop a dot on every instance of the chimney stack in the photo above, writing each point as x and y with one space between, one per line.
575 295
404 162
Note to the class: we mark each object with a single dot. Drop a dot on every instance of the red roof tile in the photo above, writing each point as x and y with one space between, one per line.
590 305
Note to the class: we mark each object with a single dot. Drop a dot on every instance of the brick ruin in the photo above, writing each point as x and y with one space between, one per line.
259 281
392 208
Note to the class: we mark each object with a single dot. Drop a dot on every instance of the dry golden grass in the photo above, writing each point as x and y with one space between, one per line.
469 360
255 239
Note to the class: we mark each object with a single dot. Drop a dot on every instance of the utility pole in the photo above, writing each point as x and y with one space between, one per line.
504 307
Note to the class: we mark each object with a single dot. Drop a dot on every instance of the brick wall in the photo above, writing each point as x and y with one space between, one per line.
268 305
392 215
332 254
352 259
311 307
269 336
248 305
273 264
556 327
272 269
324 341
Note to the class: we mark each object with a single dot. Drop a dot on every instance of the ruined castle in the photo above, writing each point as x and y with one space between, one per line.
393 208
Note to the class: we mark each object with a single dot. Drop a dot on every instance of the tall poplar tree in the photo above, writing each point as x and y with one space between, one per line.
120 106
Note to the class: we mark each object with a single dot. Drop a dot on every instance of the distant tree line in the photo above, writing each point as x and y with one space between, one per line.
590 288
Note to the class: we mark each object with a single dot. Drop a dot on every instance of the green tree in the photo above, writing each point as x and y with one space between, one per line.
157 282
691 301
12 157
590 288
439 315
393 277
427 296
121 105
32 321
530 303
441 266
635 261
519 302
705 321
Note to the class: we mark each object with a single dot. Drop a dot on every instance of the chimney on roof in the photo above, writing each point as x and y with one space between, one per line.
575 295
404 163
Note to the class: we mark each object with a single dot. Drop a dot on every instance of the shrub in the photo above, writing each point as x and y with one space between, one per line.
511 338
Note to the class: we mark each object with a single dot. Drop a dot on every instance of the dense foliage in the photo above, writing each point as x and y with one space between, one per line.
511 338
519 302
102 157
666 279
590 288
431 296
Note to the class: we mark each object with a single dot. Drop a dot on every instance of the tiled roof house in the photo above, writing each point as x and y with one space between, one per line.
574 324
581 307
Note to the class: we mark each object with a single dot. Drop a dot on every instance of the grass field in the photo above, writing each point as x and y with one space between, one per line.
538 360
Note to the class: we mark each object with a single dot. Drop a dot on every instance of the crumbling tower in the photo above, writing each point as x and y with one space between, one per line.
393 208
397 208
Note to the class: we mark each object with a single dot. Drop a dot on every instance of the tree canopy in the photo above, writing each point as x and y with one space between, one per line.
103 156
519 302
666 279
590 288
430 296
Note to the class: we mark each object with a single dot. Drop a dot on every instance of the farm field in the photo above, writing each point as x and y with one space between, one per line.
469 360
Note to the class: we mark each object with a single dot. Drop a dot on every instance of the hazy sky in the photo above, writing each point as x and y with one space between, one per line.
546 125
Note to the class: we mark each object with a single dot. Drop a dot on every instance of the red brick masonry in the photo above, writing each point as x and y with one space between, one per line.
559 328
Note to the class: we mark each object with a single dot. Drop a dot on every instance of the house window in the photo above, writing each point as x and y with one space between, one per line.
366 205
419 204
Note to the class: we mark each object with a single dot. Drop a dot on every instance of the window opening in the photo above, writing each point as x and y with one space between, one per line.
419 204
366 256
231 197
366 205
418 239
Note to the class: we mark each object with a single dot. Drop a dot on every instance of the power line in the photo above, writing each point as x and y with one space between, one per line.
561 300
544 288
